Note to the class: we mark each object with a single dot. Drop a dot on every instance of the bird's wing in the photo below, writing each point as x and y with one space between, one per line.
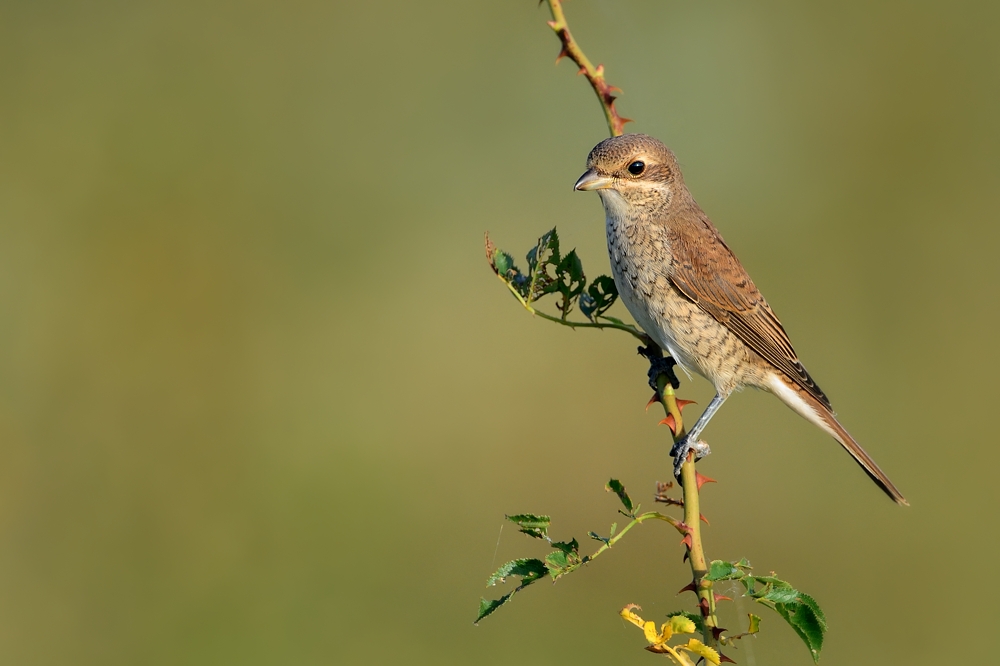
706 271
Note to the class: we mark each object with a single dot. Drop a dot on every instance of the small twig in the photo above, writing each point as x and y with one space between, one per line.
571 50
678 525
628 328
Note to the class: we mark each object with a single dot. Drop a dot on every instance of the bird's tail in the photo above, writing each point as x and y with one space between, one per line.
816 412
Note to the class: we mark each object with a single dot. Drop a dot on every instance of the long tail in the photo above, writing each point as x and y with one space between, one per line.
816 412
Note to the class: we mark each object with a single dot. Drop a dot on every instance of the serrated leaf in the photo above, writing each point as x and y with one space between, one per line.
775 590
488 606
681 624
798 609
754 624
616 486
722 570
559 563
532 525
697 647
599 296
568 546
698 620
529 569
679 657
503 263
541 258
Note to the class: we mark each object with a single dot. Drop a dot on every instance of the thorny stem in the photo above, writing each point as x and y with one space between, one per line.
692 518
595 75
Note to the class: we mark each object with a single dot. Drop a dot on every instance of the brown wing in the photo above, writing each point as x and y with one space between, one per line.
706 271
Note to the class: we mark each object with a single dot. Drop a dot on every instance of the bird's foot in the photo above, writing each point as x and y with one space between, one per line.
680 451
660 365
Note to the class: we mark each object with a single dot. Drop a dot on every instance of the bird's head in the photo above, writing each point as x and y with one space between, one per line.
632 170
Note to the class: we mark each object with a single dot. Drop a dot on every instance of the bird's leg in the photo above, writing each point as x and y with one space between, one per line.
689 442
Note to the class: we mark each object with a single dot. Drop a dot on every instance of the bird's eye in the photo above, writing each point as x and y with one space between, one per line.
636 168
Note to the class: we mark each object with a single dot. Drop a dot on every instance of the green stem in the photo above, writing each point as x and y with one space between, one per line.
635 521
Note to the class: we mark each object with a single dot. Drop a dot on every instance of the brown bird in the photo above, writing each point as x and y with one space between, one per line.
689 292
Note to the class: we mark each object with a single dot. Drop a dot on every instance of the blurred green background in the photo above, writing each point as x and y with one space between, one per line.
263 402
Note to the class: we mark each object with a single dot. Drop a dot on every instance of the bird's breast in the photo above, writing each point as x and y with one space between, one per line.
640 263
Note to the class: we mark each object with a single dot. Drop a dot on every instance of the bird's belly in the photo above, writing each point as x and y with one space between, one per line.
695 339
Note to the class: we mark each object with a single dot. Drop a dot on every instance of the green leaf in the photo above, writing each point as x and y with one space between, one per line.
503 263
570 281
487 606
545 254
721 570
600 295
568 546
560 563
775 591
754 624
529 569
808 622
798 609
532 525
596 537
616 486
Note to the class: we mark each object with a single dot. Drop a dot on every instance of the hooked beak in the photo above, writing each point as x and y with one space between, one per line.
591 180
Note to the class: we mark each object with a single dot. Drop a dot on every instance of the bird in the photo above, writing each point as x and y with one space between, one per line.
688 291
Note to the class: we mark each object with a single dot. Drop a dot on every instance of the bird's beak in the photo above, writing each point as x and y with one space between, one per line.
591 180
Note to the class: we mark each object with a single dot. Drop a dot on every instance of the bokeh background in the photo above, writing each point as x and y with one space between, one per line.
263 402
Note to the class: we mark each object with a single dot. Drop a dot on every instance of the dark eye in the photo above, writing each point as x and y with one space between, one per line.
636 168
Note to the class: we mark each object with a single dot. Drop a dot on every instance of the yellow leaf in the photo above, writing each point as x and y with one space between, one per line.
627 614
650 630
681 625
702 650
681 658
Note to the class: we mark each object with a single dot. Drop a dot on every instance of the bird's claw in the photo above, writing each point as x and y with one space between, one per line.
680 451
663 365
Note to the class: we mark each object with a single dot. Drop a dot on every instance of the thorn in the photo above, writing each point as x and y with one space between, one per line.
582 70
652 401
681 404
722 597
614 88
669 422
724 659
685 558
690 587
687 541
624 120
702 480
716 632
704 519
